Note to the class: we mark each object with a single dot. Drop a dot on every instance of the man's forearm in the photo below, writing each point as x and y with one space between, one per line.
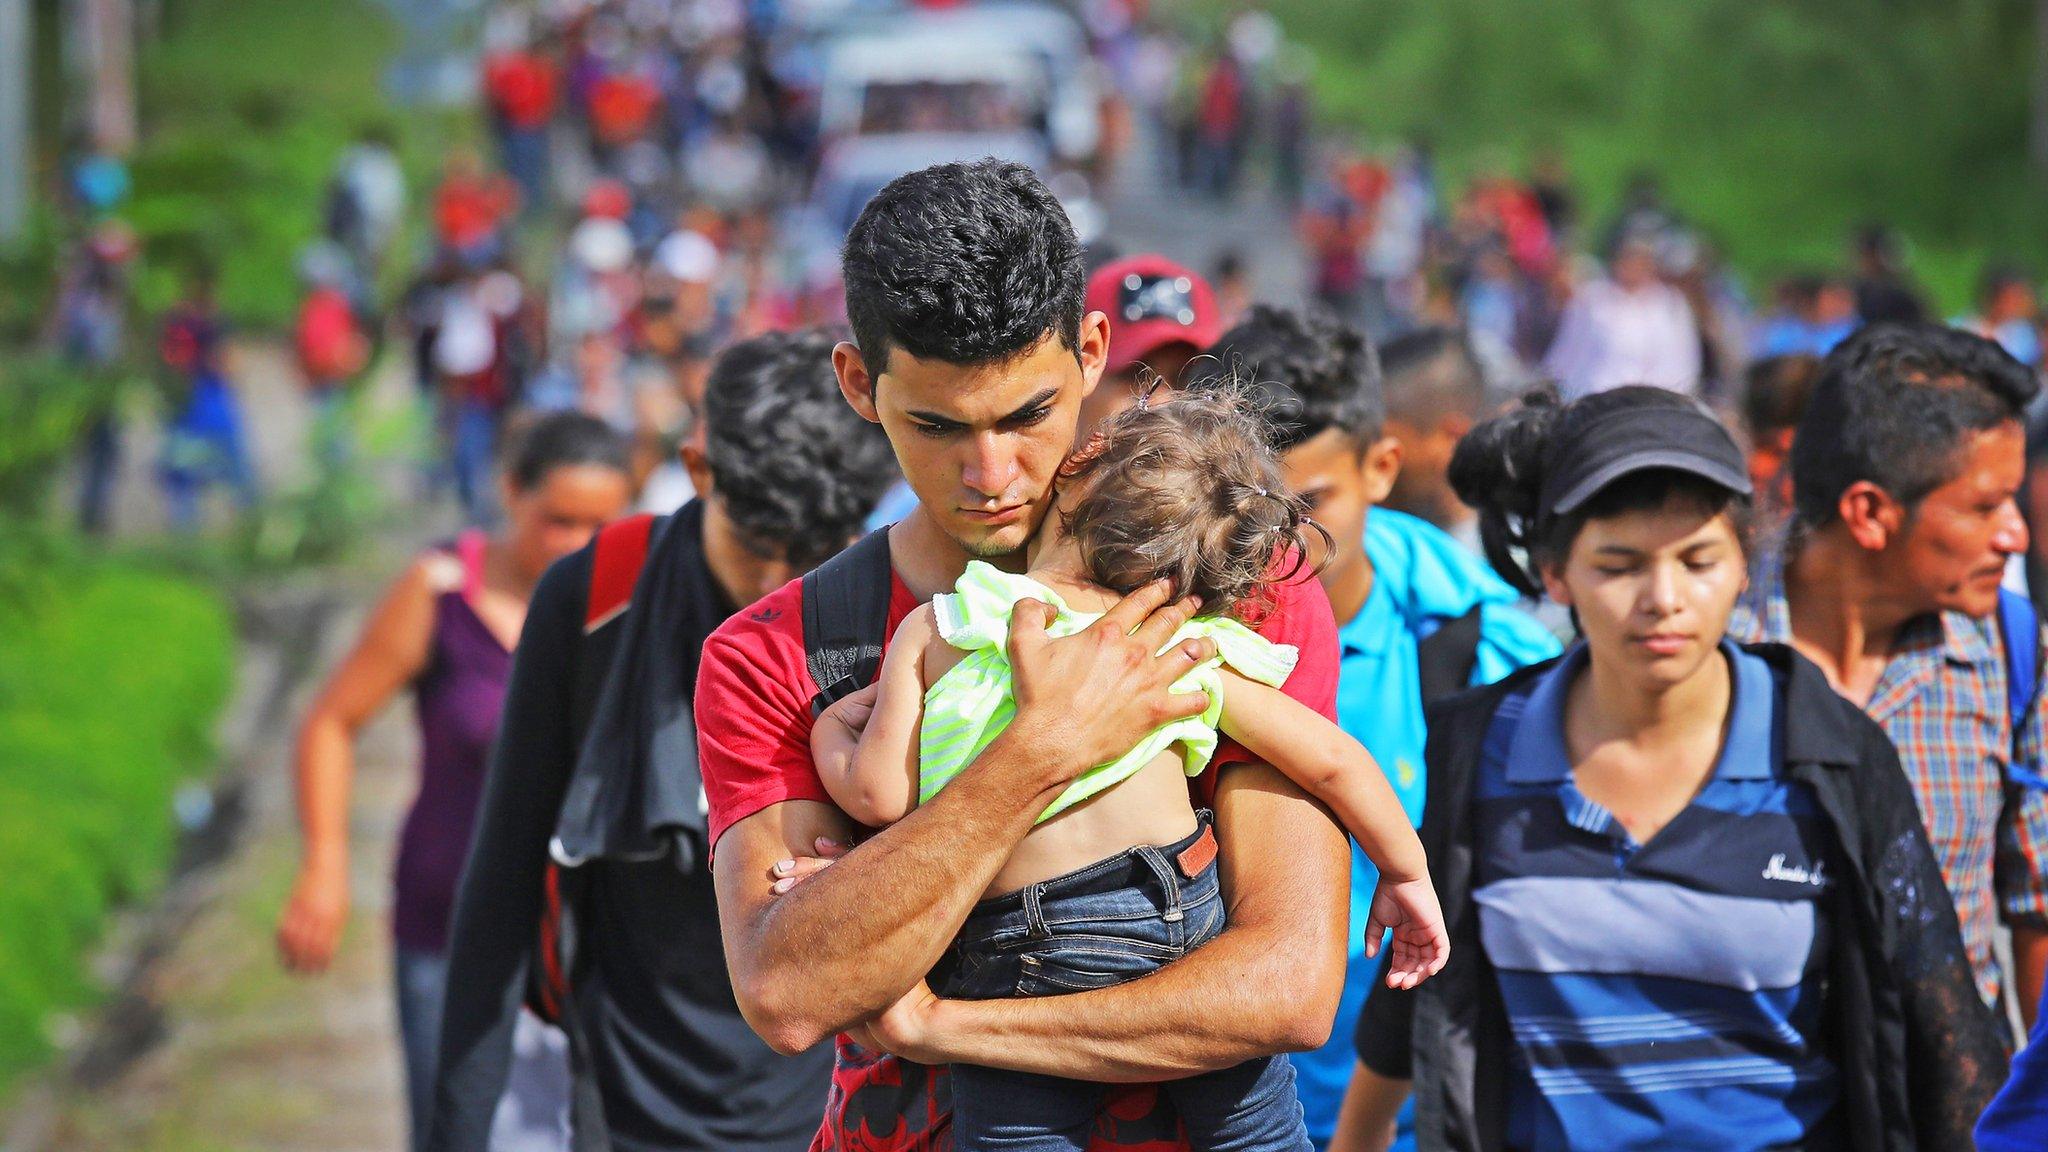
1216 1008
1268 984
848 942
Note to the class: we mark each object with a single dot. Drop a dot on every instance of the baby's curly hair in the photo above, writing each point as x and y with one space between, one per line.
1188 490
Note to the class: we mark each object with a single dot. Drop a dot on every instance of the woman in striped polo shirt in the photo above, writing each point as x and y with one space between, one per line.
1691 903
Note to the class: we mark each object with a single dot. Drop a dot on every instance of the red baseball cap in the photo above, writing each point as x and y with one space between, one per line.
1152 302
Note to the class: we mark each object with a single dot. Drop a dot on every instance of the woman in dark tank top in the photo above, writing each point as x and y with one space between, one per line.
446 629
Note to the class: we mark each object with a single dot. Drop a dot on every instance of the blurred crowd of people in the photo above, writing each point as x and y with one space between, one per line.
630 226
615 312
1544 294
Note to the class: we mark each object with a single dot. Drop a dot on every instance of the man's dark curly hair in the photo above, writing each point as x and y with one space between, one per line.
1894 405
1306 372
794 467
963 263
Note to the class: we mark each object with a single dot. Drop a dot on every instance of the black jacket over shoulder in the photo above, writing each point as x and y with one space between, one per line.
1919 1053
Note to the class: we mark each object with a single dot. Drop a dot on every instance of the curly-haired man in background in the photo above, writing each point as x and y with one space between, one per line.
586 771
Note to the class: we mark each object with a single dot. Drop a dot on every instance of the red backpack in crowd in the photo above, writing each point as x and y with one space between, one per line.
325 336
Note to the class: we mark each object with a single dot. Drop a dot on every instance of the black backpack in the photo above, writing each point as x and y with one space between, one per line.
1447 657
846 621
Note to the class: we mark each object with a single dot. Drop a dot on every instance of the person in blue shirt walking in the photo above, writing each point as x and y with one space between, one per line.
1420 614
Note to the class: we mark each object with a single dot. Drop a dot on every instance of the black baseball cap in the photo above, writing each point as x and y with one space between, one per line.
1629 438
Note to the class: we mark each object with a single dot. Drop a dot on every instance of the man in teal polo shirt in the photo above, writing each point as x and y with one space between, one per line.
1423 615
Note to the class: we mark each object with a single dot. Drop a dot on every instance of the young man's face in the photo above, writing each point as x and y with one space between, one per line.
1951 551
981 444
1341 480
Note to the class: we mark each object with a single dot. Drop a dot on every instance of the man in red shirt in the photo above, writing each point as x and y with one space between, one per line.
469 208
522 89
964 287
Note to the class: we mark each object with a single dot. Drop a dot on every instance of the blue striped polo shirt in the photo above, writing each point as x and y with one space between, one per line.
1667 994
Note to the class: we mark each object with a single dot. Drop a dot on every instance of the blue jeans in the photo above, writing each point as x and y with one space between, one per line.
533 1115
524 153
1106 924
473 458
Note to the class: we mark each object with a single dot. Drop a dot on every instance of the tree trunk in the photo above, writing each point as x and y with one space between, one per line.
15 87
110 53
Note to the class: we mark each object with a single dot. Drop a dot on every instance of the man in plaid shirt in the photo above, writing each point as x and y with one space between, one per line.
1904 476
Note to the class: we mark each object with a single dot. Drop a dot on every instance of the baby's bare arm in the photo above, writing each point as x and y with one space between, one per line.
1330 764
870 770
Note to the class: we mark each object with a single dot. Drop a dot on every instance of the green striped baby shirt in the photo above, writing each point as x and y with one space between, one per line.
972 703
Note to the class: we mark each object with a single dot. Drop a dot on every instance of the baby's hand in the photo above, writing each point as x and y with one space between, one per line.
836 734
1421 943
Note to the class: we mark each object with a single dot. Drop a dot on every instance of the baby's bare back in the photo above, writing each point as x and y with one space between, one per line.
1151 807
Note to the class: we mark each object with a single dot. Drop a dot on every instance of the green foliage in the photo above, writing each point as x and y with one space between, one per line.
324 519
1778 127
26 274
110 679
247 105
44 407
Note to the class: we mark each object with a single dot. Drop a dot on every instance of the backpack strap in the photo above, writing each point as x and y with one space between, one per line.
619 554
1447 657
548 994
2019 627
846 618
469 548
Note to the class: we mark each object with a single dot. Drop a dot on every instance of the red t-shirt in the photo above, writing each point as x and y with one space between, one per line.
521 86
754 739
622 107
326 338
466 212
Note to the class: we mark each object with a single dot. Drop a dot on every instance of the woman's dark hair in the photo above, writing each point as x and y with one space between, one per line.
563 440
1498 469
965 264
1188 491
793 465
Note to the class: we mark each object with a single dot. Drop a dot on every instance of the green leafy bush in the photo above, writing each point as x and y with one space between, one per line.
247 105
44 406
110 681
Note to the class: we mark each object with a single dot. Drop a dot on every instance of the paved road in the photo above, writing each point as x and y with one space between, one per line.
1147 212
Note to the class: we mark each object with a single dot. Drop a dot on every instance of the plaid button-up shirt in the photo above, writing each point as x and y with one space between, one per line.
1942 700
